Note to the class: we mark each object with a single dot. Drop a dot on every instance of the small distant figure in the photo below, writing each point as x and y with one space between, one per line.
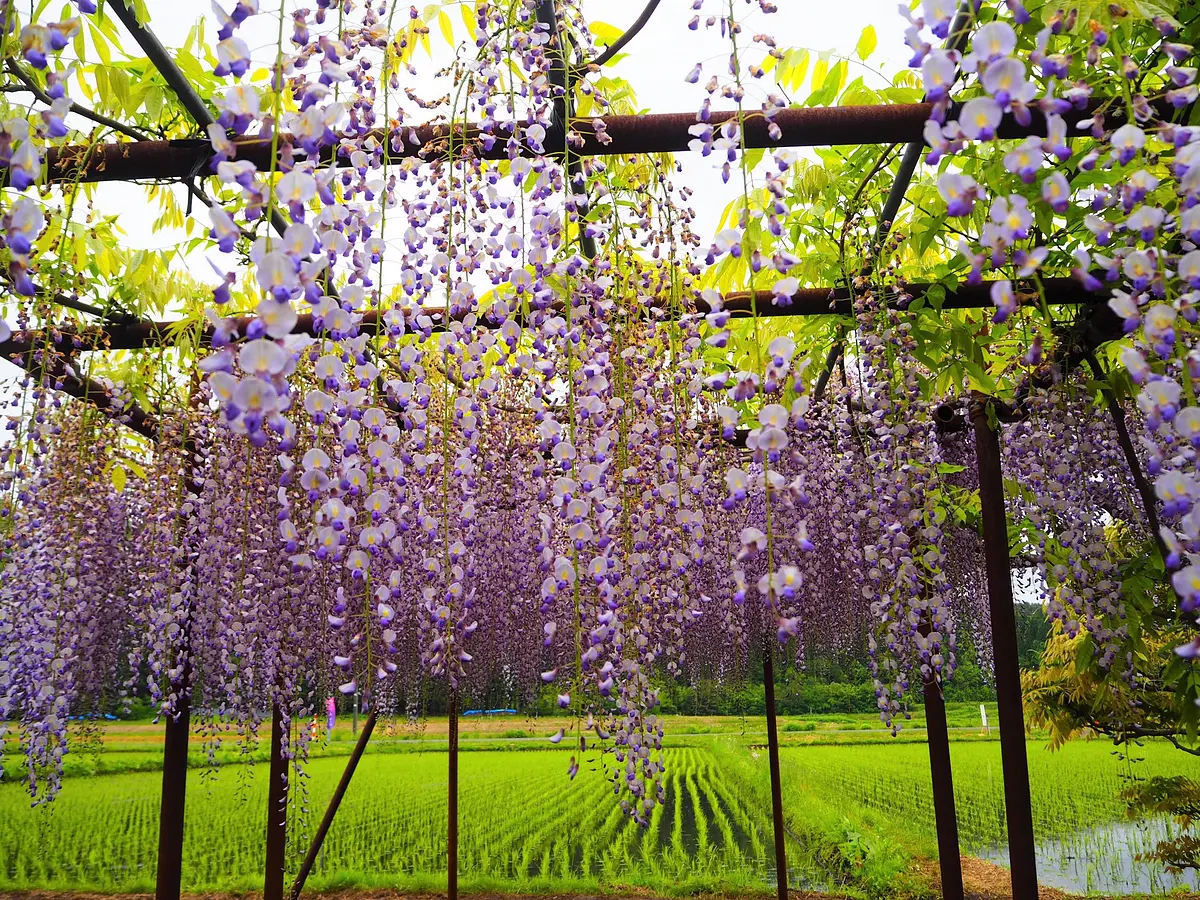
314 728
330 714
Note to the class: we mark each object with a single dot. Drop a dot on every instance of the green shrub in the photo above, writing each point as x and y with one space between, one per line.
800 726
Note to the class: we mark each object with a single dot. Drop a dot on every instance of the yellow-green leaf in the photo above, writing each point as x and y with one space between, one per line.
119 477
866 42
793 69
604 32
101 45
153 101
118 83
447 27
820 70
468 17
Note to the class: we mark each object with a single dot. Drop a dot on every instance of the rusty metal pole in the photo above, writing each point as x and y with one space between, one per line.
941 773
452 803
169 876
808 301
314 849
277 799
781 876
1018 809
944 814
1144 488
623 135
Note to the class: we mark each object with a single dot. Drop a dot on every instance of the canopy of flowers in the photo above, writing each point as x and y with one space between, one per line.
477 404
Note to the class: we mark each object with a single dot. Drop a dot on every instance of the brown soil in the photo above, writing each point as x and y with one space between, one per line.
983 880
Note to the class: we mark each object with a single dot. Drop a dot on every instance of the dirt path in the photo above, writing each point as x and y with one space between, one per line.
983 880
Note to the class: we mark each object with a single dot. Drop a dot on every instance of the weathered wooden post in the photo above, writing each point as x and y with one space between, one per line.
944 813
169 873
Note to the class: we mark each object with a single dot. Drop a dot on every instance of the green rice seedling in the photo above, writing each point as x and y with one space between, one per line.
524 826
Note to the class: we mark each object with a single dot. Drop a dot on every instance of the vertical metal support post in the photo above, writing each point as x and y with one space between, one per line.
1017 805
277 798
169 874
174 792
452 803
944 814
563 112
781 876
318 841
1144 488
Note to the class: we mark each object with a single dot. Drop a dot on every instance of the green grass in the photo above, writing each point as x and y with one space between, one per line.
857 814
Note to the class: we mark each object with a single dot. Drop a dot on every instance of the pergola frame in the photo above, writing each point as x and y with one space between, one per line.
183 160
821 126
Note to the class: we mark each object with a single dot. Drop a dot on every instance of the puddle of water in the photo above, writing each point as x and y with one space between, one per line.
1104 859
798 879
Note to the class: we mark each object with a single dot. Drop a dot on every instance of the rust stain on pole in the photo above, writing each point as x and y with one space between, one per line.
452 803
781 873
820 126
1017 804
277 800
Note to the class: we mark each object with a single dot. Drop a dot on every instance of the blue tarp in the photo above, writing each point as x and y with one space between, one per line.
490 712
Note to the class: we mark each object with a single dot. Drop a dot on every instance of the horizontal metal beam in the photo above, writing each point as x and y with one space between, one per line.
655 133
28 349
805 302
50 368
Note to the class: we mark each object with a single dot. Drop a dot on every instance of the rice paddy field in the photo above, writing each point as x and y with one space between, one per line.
1084 841
858 807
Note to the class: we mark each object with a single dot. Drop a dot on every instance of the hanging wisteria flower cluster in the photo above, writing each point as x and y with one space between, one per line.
1136 235
475 410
